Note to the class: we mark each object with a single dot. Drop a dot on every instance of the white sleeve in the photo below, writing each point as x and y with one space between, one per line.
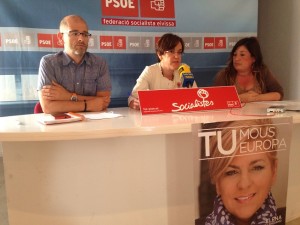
142 83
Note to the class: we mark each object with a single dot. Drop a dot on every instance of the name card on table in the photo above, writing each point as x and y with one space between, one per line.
188 99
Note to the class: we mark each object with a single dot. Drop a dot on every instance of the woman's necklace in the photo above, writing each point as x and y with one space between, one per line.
168 77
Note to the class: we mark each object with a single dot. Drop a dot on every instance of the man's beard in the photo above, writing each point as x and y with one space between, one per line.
80 51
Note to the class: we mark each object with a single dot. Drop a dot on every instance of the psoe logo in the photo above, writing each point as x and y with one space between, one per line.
158 5
131 8
158 8
198 103
122 8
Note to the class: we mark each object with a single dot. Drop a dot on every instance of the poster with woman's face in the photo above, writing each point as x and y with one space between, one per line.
241 171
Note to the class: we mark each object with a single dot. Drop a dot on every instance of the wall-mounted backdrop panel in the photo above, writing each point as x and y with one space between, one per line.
124 32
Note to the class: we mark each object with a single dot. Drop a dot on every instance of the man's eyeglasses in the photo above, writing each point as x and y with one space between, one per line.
77 34
172 52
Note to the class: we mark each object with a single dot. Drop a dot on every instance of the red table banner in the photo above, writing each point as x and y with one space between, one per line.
188 99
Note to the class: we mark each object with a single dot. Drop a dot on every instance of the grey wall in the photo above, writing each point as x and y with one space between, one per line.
279 35
3 200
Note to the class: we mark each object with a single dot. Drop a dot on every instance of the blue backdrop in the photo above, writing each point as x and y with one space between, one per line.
205 18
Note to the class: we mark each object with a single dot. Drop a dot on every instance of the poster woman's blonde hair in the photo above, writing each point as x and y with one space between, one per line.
219 163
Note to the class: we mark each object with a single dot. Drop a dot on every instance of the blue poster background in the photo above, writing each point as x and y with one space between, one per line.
191 15
237 17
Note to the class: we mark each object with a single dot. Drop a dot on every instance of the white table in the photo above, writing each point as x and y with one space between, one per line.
131 170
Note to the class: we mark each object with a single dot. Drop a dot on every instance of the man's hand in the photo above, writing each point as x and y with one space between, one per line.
55 92
55 98
98 104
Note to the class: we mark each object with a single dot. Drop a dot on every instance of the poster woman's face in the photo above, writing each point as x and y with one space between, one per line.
245 184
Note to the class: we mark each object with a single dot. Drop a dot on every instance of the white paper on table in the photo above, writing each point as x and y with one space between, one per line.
48 119
100 116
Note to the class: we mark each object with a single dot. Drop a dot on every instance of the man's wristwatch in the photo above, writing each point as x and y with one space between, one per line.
74 97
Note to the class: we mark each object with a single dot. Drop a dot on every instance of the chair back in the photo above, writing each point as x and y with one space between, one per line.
38 108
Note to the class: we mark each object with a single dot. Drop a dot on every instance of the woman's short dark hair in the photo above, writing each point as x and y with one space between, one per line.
168 42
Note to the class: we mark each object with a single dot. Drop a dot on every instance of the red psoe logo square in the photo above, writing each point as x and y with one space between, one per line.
209 43
122 8
119 42
220 42
57 43
156 39
106 42
45 40
158 8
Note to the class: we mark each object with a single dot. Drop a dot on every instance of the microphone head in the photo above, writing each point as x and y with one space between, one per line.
186 77
184 68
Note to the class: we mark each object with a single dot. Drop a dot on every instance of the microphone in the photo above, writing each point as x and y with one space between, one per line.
186 77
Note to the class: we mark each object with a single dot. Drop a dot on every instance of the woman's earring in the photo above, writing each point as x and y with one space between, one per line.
253 69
